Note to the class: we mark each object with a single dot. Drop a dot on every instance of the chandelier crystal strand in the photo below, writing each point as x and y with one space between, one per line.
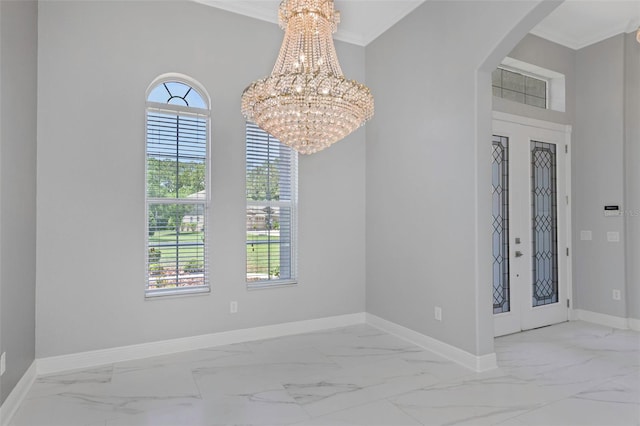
638 32
306 102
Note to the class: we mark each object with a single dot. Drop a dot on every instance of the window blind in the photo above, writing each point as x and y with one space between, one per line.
271 192
176 201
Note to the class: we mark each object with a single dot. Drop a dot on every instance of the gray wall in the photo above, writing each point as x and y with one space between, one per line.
18 47
428 207
598 176
632 172
96 60
546 54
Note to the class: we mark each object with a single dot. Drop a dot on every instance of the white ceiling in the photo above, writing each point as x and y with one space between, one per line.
575 23
361 21
579 23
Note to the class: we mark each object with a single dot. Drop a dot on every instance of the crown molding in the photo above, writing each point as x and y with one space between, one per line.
261 13
596 37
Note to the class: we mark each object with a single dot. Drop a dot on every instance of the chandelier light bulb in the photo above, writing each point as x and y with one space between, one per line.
306 102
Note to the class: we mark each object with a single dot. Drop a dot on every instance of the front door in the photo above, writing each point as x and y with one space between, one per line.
530 205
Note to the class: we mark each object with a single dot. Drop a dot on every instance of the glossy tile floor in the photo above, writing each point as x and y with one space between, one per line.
569 374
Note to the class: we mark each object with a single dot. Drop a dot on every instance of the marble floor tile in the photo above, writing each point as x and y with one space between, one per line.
623 390
436 365
59 411
67 409
269 364
72 381
318 339
187 358
166 381
368 349
183 415
570 374
575 411
324 394
379 413
268 407
481 399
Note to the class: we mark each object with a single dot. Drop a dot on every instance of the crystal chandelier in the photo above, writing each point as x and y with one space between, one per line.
306 102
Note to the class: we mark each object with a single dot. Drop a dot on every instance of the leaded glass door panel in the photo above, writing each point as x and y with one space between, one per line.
529 224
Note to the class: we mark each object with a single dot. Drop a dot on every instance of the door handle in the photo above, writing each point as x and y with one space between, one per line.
519 254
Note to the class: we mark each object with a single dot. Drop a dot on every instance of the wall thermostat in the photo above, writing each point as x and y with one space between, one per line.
612 210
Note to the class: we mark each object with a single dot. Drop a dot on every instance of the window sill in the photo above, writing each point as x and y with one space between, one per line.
173 292
264 285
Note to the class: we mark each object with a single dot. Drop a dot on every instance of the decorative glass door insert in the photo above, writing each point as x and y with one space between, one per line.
544 220
500 223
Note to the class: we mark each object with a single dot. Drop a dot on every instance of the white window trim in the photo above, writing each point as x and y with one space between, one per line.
161 107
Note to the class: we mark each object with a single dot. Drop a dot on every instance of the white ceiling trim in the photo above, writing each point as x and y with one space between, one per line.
574 24
558 36
578 23
243 9
401 9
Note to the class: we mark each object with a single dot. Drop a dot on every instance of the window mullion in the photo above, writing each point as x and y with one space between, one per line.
187 111
176 201
177 178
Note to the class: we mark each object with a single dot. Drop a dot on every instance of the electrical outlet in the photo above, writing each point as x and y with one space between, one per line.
615 294
586 235
233 307
437 313
3 363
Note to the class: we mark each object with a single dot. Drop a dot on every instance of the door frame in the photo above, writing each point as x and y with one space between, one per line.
566 129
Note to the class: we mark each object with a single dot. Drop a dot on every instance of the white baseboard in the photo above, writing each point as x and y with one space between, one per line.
464 358
603 319
17 395
634 324
125 353
573 314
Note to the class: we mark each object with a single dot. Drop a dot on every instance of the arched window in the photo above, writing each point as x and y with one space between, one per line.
177 187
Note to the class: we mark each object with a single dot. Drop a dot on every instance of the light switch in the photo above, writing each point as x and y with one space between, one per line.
586 235
613 237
